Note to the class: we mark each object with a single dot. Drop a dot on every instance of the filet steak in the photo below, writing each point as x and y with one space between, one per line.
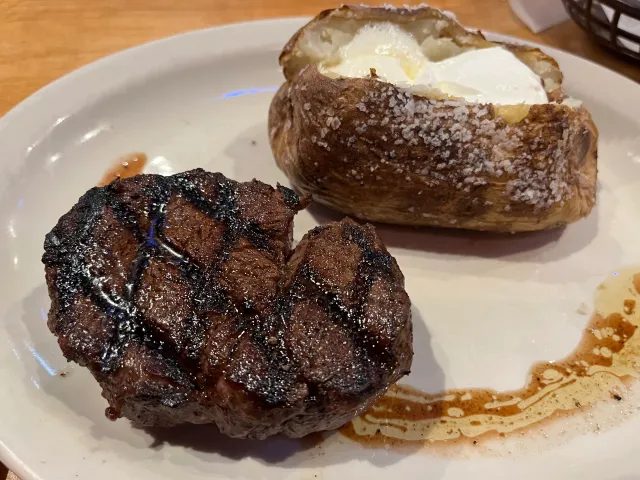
184 298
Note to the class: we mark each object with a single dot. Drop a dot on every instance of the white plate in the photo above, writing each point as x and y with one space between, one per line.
485 308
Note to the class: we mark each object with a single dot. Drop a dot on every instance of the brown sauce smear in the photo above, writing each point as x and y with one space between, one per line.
602 361
127 166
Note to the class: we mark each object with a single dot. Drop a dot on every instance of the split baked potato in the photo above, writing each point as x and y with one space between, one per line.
418 156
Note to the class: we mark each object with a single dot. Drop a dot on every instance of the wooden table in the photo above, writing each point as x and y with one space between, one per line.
41 40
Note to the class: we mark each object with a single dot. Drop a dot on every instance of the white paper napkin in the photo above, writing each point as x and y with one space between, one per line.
539 15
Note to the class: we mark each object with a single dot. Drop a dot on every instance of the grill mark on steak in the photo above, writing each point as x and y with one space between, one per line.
259 367
129 323
350 318
207 292
371 266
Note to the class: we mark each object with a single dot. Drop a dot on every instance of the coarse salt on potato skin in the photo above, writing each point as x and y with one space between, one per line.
383 153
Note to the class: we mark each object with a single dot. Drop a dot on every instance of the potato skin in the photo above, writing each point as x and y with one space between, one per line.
380 153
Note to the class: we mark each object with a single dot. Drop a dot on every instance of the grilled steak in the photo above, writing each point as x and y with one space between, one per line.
184 298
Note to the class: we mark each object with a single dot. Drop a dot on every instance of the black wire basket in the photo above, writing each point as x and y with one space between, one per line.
605 21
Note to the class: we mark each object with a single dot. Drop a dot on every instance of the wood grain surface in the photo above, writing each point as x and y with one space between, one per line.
41 40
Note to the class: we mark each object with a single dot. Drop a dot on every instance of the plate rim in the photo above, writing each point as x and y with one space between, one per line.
25 107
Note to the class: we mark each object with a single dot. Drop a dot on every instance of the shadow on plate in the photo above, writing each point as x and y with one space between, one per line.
208 439
446 241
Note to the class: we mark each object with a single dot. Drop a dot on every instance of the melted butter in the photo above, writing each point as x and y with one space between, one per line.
486 75
607 358
125 167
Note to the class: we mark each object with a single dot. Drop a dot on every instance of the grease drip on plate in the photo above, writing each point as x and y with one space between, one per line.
604 362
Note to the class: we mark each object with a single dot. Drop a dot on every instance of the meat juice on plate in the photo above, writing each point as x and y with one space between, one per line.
125 167
602 366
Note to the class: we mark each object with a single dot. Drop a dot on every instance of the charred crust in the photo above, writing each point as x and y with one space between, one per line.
153 362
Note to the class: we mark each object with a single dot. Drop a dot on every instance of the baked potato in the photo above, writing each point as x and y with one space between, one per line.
418 155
